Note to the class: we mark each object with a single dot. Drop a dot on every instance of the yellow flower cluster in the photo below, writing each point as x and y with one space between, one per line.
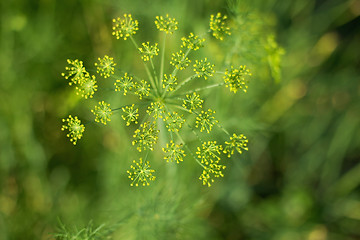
145 137
76 72
192 102
236 79
174 152
148 51
125 84
174 121
192 42
142 89
131 114
179 60
205 120
166 24
105 66
156 110
85 84
238 143
124 27
204 69
166 96
218 26
88 87
141 173
75 128
169 82
102 112
210 159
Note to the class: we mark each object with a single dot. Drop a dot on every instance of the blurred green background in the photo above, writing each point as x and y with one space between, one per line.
299 180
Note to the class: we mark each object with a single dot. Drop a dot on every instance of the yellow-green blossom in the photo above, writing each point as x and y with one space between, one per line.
209 155
75 72
179 60
148 51
210 172
88 86
125 84
237 143
192 102
145 137
102 112
142 89
218 26
161 97
175 153
166 24
131 114
124 27
236 79
75 128
204 69
206 120
105 66
156 110
209 152
174 122
141 173
192 42
169 82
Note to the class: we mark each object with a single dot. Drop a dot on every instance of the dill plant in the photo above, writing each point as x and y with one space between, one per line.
89 232
161 98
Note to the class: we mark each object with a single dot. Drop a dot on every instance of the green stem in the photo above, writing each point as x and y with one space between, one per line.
134 42
175 68
188 149
234 49
194 132
138 81
223 129
151 80
180 107
156 78
144 162
162 61
119 108
145 119
192 129
182 140
204 88
175 72
146 68
132 75
171 168
184 82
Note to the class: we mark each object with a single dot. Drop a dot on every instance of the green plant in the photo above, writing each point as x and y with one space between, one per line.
85 233
165 99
